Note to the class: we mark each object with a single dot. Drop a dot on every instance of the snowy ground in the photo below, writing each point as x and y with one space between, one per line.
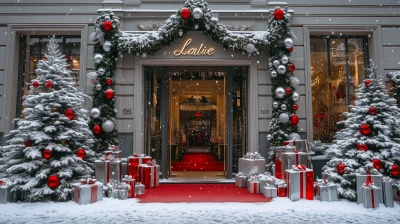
281 210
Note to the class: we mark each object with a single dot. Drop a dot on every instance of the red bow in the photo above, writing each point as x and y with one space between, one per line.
1 182
300 167
88 181
150 163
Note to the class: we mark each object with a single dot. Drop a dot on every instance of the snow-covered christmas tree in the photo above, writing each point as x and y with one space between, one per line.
50 149
370 138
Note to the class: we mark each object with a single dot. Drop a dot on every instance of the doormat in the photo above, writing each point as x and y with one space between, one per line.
197 162
178 193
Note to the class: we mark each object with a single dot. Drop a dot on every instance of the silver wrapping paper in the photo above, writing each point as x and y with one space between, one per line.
241 181
293 186
370 201
139 189
101 171
115 193
289 160
387 193
279 171
123 194
328 192
252 167
5 194
325 176
265 181
124 166
115 171
83 193
376 179
270 192
254 187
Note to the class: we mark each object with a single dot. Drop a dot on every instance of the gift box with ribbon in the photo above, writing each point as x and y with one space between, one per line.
253 185
113 153
270 191
368 176
119 190
106 171
88 191
124 166
387 191
300 183
148 174
131 182
252 164
134 162
326 191
278 163
290 159
369 193
139 189
266 180
241 180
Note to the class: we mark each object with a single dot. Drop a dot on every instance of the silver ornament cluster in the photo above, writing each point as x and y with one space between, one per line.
288 43
107 46
280 92
98 58
108 126
95 113
197 13
296 96
281 69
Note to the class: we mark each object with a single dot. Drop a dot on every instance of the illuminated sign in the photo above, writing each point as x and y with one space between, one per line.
188 50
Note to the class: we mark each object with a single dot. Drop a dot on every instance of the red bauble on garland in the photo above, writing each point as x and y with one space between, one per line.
28 143
372 110
295 107
107 26
47 154
96 129
395 170
109 81
185 13
291 49
53 181
69 113
365 129
288 91
35 84
279 14
292 67
48 84
81 153
377 163
109 94
294 120
368 82
362 147
340 168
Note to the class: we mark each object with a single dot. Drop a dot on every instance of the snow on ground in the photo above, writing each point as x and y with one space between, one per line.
281 210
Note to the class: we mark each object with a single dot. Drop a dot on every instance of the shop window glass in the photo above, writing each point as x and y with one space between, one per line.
338 66
33 48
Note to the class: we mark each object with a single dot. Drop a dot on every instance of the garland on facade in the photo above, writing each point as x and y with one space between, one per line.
193 16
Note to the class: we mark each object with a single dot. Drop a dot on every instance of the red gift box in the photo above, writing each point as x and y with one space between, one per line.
133 164
300 181
148 175
278 162
282 190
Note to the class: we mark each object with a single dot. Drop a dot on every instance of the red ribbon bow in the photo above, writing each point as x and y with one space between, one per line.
88 181
300 167
150 163
1 182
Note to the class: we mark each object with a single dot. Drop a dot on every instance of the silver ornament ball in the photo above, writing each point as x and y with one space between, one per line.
108 126
288 16
280 92
276 63
295 96
288 43
98 58
281 69
107 46
95 113
98 87
250 48
180 32
283 107
107 18
285 59
101 71
284 118
197 13
294 136
274 74
294 81
275 104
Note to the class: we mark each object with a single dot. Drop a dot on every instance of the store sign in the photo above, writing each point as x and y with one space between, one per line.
187 49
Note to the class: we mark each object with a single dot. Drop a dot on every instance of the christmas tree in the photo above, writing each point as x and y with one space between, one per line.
284 121
50 149
370 138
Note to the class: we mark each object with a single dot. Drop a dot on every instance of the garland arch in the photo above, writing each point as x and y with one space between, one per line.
111 43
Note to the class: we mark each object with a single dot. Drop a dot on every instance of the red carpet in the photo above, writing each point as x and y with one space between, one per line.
197 162
173 193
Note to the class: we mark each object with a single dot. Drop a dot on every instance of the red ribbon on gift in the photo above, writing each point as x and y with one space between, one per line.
93 190
300 167
372 196
88 181
131 182
150 163
282 191
1 182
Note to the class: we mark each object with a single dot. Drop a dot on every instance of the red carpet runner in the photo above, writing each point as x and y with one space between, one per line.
198 162
173 193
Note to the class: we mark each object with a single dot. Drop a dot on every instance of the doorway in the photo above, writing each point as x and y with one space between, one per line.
196 120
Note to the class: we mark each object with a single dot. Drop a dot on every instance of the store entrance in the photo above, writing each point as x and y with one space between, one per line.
191 129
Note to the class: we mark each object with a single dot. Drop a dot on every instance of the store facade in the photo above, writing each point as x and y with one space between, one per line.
194 85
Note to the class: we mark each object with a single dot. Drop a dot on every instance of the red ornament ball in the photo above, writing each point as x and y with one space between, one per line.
340 168
28 143
279 14
109 94
365 129
291 49
292 67
53 181
372 110
48 84
362 147
96 129
107 26
69 113
47 154
81 153
35 84
368 82
395 170
295 107
109 81
185 13
294 120
288 91
377 164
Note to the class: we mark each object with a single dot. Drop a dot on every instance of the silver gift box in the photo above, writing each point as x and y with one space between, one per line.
376 179
270 192
139 189
290 159
124 166
122 194
115 193
100 170
241 181
387 190
5 194
252 167
293 186
83 193
328 192
370 196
